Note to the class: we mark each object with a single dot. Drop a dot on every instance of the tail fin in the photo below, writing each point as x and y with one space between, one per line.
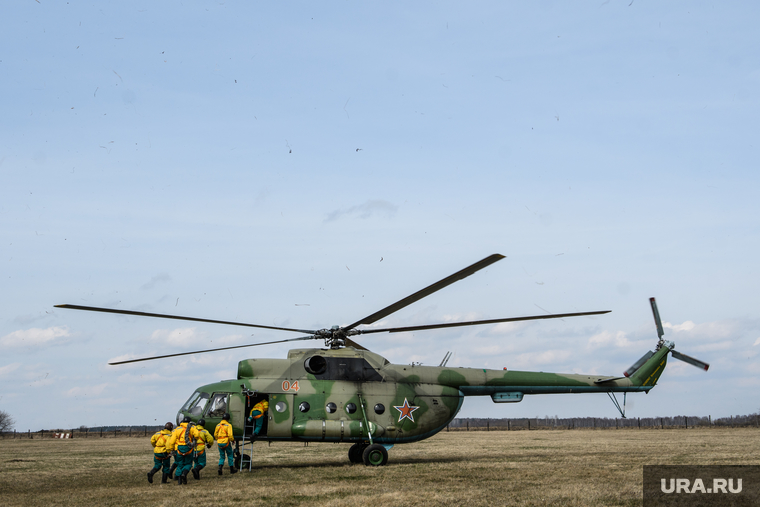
649 373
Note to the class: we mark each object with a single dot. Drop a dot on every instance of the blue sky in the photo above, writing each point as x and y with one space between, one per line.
306 165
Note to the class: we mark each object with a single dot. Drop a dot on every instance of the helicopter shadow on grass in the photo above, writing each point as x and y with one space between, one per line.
408 460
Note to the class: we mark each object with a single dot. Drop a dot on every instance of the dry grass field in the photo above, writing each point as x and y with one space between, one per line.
550 467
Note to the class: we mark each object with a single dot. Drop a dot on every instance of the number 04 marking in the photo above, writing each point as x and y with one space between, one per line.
287 386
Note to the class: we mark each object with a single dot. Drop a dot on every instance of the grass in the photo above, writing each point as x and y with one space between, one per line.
526 468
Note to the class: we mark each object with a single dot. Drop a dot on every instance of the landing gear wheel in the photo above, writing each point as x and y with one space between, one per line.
356 452
242 462
375 455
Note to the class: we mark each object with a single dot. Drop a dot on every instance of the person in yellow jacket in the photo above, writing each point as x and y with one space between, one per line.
161 456
224 439
183 442
257 416
199 456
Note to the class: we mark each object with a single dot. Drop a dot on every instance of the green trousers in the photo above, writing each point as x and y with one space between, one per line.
226 450
199 460
184 462
162 460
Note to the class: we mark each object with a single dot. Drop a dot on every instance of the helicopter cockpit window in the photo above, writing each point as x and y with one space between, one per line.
197 407
191 401
218 405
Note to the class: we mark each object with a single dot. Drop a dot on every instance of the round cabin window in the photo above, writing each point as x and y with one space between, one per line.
351 408
281 406
304 406
331 408
379 408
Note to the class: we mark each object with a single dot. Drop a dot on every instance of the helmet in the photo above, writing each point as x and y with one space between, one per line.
169 426
186 419
201 422
226 416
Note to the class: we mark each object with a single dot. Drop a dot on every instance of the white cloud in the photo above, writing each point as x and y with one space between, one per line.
86 391
531 360
364 211
606 338
177 337
160 278
686 326
9 368
33 337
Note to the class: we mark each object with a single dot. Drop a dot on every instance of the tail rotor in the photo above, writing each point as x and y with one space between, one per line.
662 343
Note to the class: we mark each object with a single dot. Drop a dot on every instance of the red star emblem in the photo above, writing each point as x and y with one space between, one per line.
405 411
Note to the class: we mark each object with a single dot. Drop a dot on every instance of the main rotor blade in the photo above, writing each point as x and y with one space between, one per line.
688 359
427 291
350 343
212 350
178 317
478 322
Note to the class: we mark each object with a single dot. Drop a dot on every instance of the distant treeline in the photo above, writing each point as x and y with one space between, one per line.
459 424
535 423
85 432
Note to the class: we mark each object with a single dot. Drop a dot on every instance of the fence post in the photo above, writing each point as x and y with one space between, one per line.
468 425
488 424
508 428
528 424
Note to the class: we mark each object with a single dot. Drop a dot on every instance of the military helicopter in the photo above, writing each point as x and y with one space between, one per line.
346 393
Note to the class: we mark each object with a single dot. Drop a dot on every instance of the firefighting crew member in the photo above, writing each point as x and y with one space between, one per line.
204 441
161 456
224 438
257 415
183 441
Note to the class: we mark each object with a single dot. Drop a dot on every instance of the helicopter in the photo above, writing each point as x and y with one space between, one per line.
343 392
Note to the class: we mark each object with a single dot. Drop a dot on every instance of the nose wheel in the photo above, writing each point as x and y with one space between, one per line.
375 455
372 455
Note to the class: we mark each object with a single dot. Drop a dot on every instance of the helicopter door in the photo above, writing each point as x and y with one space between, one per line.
280 416
237 408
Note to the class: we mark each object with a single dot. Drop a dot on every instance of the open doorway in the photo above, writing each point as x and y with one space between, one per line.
258 425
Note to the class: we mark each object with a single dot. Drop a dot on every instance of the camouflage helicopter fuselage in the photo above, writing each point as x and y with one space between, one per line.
334 395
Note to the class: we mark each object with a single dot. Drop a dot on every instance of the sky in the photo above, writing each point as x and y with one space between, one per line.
305 165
